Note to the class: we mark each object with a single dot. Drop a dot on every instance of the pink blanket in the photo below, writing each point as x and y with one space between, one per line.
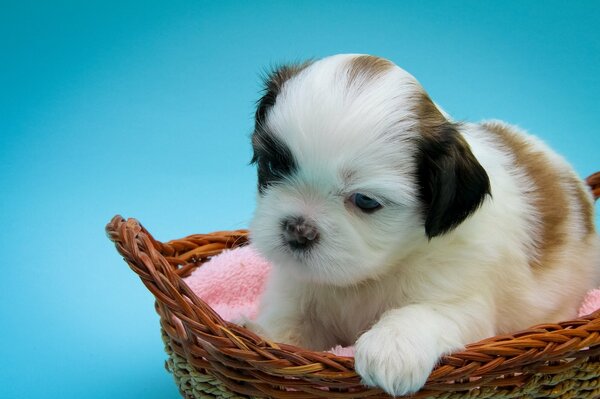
231 283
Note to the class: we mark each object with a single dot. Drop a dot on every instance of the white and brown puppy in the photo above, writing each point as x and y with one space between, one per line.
395 228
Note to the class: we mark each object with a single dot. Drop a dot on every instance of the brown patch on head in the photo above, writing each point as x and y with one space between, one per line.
549 195
366 67
429 118
274 82
452 183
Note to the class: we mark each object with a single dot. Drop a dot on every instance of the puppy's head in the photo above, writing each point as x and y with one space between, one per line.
356 168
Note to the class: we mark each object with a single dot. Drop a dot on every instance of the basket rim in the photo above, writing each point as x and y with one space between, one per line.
529 350
251 365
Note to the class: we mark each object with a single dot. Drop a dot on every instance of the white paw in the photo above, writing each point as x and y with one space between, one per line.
397 362
249 324
240 320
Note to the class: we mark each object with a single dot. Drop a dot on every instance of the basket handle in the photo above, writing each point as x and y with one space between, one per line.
143 255
594 182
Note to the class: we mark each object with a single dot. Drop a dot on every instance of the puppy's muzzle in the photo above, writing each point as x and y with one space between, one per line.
299 233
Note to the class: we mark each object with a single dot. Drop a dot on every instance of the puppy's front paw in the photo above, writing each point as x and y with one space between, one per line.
397 363
249 324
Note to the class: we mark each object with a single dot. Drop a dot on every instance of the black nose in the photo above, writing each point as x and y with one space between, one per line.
299 233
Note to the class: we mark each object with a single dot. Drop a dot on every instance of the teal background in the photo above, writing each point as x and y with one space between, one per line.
145 109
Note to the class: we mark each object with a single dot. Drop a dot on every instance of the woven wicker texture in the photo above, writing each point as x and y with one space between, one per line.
594 183
211 358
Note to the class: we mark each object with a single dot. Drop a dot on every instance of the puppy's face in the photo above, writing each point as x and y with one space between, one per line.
356 168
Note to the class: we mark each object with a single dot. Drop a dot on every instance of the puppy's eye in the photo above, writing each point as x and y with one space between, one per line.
364 203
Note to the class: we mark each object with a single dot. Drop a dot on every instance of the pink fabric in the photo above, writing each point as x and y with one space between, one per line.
231 283
591 303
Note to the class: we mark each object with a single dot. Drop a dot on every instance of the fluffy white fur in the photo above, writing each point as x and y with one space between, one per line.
376 279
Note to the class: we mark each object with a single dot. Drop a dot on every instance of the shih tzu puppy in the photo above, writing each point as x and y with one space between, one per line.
394 228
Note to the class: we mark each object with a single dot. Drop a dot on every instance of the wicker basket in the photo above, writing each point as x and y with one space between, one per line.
211 358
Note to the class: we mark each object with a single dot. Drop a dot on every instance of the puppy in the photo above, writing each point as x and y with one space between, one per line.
396 229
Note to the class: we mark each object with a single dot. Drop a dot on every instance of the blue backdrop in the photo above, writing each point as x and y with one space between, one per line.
145 109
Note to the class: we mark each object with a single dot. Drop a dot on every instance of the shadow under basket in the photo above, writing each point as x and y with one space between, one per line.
212 358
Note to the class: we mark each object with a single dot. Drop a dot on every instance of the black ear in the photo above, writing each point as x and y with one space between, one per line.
272 157
273 82
452 182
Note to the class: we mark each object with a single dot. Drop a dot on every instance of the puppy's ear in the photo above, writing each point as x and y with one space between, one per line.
452 182
273 159
273 83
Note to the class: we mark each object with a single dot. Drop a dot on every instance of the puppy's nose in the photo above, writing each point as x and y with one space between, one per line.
299 233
